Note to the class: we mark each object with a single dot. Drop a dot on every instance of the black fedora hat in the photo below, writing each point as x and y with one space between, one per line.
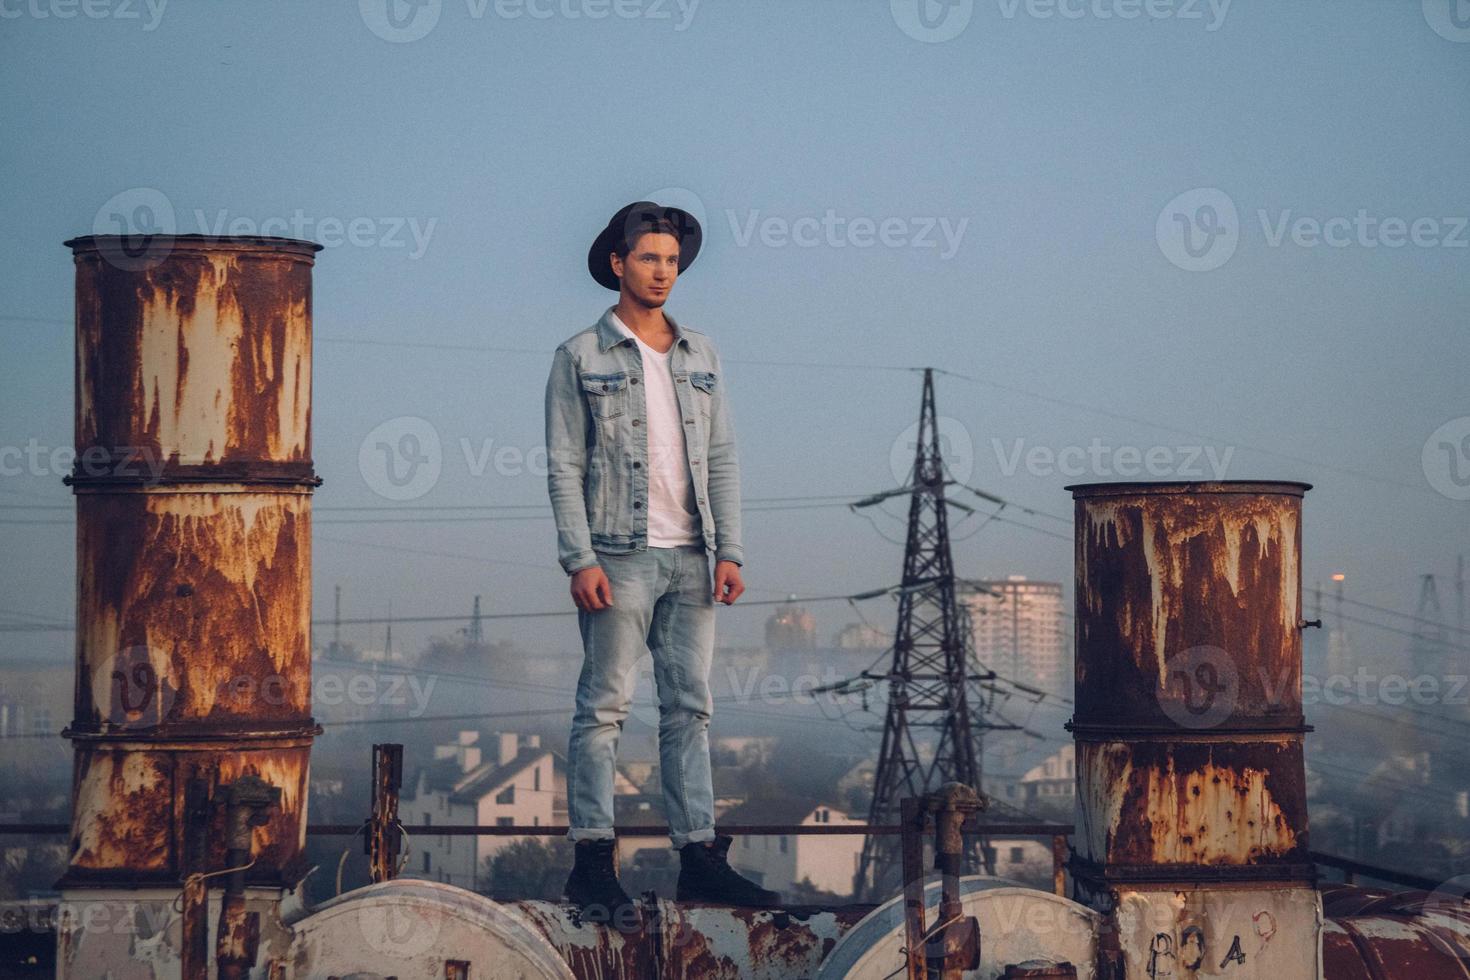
632 219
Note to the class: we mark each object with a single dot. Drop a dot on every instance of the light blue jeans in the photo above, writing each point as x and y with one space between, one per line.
663 604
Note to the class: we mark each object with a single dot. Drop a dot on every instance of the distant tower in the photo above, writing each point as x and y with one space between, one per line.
929 735
388 641
336 621
1427 649
1339 647
1460 598
476 633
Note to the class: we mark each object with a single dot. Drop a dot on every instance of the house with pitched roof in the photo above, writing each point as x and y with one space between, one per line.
515 785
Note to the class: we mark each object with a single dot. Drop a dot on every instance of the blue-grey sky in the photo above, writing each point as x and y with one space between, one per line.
1009 203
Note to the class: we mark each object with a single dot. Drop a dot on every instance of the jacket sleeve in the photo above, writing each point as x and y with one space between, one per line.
566 463
723 469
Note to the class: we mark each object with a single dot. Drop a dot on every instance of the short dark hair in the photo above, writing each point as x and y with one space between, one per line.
642 224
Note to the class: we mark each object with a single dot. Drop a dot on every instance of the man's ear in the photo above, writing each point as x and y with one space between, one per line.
617 264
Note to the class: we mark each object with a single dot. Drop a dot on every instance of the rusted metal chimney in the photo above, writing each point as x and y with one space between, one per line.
1191 795
193 486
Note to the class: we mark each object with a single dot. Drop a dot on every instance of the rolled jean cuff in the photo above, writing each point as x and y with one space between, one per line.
590 833
693 837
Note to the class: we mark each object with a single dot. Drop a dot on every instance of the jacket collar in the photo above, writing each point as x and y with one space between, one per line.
609 335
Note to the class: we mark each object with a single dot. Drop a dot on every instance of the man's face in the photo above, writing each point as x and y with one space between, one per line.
649 271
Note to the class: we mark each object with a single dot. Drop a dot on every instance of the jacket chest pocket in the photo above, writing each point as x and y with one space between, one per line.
606 394
703 385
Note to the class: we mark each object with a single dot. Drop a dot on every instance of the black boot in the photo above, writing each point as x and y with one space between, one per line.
593 886
705 876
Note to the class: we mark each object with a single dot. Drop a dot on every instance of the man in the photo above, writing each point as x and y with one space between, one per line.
644 481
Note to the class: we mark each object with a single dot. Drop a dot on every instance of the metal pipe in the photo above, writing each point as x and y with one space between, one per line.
193 484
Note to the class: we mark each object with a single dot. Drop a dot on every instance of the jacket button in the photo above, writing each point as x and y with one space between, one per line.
686 421
632 381
637 465
636 422
637 504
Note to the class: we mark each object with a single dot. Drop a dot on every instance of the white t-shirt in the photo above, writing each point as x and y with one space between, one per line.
673 518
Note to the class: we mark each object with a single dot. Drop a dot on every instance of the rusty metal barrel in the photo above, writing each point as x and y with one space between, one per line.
193 482
1188 718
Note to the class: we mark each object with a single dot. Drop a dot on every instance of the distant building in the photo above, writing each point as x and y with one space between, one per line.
1047 789
827 862
791 627
861 636
1018 632
515 786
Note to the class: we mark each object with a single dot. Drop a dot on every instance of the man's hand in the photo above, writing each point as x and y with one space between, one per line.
728 584
591 590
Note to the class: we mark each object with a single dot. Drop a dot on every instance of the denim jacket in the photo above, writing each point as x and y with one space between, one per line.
597 443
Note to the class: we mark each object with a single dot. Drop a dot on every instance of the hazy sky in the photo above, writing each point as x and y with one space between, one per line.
1010 203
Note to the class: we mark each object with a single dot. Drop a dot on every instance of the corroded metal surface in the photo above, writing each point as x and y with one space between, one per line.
1268 933
201 362
1205 571
1192 804
1189 715
692 940
192 480
1373 935
1016 924
194 609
